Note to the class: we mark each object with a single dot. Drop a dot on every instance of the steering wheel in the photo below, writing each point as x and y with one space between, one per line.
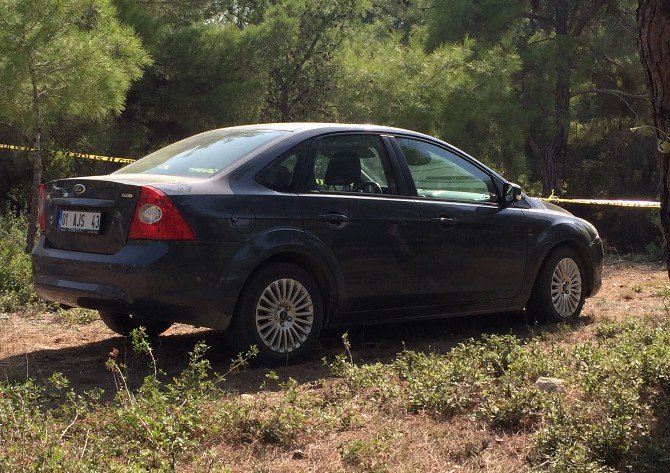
369 187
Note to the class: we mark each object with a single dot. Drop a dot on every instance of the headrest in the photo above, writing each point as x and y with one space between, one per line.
343 169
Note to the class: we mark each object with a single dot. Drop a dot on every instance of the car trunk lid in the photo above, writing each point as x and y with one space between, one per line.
94 214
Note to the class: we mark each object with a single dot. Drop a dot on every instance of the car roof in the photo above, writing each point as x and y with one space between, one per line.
319 126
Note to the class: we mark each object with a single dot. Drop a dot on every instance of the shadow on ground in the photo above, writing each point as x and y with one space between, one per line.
84 365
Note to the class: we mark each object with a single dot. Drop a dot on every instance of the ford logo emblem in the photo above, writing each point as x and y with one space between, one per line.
79 188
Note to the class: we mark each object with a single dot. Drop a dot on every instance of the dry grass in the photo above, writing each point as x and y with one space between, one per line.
351 433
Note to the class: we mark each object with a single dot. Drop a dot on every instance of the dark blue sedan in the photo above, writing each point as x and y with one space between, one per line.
273 232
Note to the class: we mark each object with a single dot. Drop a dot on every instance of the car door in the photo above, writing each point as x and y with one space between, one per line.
472 248
353 202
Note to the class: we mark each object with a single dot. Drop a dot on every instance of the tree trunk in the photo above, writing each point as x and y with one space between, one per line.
37 171
653 22
552 160
284 107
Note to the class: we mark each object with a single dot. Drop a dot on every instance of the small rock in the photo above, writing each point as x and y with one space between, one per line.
247 397
298 454
550 385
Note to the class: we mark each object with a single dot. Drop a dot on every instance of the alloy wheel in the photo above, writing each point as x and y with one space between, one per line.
284 315
566 287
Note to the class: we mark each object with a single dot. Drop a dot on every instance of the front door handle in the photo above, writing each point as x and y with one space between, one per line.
334 218
443 220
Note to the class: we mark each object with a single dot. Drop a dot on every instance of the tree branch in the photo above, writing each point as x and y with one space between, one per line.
599 53
586 17
540 18
619 93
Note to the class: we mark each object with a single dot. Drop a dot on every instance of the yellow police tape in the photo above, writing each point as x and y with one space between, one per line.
71 154
616 203
555 200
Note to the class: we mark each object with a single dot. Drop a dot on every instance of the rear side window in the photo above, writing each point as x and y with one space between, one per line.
202 155
280 175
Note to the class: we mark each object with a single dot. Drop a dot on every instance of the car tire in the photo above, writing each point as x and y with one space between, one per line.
559 291
280 312
123 324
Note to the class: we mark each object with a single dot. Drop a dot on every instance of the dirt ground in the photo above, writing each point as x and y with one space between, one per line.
39 346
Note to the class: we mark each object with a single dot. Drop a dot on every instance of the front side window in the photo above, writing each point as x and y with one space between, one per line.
440 174
352 163
202 155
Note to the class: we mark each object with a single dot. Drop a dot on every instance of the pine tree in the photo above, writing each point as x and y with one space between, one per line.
70 58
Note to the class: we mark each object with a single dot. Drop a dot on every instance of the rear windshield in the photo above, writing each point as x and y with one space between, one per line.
201 155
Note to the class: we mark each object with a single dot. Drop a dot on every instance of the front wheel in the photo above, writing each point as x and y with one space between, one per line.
280 312
558 294
123 324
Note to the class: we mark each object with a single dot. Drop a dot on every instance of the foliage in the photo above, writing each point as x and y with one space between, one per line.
16 278
458 92
580 71
74 55
367 454
44 46
479 74
302 73
52 427
611 416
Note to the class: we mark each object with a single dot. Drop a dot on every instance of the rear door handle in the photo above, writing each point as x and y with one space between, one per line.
443 220
334 218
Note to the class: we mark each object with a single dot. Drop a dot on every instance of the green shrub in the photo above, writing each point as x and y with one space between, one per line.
77 316
278 423
611 417
16 281
492 376
156 427
367 455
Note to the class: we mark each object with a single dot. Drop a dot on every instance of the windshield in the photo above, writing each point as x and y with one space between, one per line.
201 155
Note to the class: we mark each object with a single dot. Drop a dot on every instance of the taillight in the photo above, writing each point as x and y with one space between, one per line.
41 210
156 218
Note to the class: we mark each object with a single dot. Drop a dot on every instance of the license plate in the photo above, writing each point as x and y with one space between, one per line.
81 222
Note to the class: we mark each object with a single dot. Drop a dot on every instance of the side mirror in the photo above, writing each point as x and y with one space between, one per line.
511 193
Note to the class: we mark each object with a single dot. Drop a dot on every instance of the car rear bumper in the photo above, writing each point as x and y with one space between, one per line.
174 281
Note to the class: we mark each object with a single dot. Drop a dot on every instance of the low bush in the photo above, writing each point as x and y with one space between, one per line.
164 422
611 416
16 282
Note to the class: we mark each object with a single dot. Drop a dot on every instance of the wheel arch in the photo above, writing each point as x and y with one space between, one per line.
310 263
583 254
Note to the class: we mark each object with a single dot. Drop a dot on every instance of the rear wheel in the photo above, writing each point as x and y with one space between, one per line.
123 324
280 312
558 294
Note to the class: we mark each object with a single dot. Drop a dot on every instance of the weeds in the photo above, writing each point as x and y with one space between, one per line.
608 419
612 417
280 422
368 455
156 426
77 316
16 282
